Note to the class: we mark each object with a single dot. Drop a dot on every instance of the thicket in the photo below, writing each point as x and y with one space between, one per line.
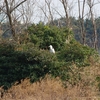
33 60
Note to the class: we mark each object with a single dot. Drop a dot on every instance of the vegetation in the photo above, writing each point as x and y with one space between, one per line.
29 71
48 38
33 60
88 29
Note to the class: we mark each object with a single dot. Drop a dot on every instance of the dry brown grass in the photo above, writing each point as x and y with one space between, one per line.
52 89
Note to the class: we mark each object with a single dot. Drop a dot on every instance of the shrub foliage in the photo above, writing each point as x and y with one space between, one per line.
33 60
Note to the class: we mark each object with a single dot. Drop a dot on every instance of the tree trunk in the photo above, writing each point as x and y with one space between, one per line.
10 19
65 5
91 4
94 31
81 21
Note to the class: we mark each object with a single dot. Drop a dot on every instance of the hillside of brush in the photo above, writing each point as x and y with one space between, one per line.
28 71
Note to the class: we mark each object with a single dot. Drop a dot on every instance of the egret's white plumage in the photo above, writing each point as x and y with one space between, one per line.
52 49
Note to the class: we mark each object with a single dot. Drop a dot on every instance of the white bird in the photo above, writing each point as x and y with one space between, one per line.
52 49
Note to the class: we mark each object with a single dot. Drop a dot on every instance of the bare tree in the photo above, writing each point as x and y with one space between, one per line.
65 5
9 7
26 11
81 20
43 8
67 8
47 10
91 5
48 3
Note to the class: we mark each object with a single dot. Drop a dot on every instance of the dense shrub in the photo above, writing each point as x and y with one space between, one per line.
29 63
33 59
77 54
43 36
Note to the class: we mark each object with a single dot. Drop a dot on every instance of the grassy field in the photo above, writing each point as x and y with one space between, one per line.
53 89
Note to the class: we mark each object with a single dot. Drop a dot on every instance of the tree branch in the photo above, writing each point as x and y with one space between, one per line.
11 10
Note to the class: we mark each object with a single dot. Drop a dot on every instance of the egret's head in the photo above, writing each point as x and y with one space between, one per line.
50 46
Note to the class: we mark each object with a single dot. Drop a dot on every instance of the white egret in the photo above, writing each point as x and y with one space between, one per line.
52 49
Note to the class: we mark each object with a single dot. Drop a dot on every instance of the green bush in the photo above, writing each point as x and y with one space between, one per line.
17 65
33 59
43 36
77 54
